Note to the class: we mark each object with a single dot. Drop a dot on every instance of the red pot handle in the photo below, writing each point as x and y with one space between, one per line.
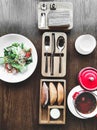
75 95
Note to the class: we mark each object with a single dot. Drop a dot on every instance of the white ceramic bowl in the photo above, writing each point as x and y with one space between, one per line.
85 44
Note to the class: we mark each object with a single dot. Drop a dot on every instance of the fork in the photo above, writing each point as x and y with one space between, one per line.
47 45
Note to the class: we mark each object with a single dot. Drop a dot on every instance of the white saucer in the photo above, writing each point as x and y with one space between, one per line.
85 44
70 101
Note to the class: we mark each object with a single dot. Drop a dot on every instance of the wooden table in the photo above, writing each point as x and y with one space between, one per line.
19 103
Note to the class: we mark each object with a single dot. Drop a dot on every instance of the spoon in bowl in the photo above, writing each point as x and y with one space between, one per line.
60 46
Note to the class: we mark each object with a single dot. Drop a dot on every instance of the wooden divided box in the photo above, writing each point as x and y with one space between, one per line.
52 98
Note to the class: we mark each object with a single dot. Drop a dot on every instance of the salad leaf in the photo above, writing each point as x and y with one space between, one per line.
15 44
1 60
29 60
19 67
22 46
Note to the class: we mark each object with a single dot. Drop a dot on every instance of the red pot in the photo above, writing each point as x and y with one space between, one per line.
88 78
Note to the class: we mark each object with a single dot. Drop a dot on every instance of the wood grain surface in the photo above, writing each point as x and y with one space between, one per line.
19 103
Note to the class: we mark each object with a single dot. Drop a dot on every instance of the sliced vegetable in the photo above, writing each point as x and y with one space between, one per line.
28 54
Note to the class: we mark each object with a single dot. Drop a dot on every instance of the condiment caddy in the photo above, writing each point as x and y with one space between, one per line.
55 15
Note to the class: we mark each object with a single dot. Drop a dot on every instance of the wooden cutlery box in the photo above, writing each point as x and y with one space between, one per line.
51 104
55 15
54 56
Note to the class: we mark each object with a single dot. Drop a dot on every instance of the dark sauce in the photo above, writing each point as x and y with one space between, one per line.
85 103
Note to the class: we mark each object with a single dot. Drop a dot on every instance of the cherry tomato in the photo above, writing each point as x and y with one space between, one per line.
28 54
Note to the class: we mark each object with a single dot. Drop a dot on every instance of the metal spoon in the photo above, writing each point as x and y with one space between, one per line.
60 46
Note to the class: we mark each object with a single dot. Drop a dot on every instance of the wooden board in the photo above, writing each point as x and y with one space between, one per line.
44 113
50 15
56 56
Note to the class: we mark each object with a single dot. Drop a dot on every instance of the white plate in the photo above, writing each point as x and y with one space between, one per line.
85 44
70 101
7 40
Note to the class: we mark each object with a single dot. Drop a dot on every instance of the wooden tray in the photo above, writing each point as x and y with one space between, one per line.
53 13
44 113
56 56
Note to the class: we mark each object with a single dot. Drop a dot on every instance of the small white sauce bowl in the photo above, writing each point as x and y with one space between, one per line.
55 113
85 44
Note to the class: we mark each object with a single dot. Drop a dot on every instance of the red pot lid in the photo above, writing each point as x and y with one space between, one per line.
88 78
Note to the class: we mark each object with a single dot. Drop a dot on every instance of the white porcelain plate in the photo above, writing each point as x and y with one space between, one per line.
6 41
70 101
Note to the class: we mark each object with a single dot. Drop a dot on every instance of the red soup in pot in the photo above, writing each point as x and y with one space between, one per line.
85 103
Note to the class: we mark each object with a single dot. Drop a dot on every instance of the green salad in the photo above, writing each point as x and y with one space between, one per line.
16 58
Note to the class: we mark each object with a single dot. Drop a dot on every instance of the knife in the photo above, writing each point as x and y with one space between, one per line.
52 54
